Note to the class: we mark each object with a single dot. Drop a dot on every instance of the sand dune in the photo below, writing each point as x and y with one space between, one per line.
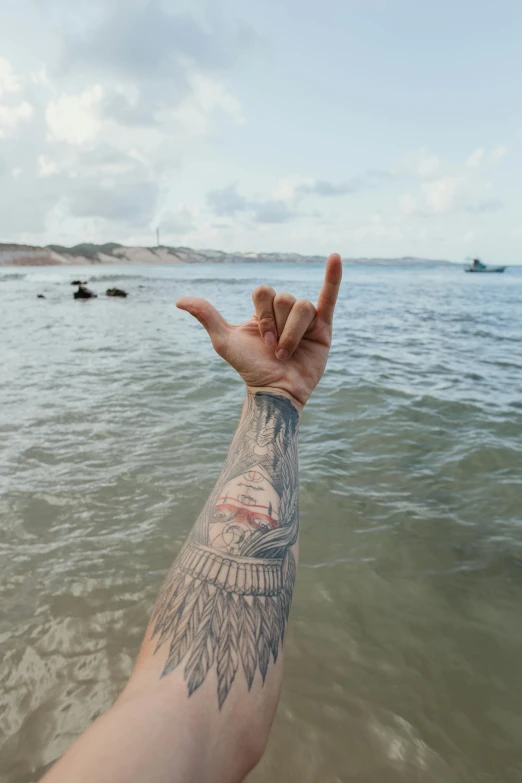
113 253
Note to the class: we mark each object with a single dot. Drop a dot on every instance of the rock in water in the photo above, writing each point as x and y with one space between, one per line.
40 296
116 292
79 282
84 293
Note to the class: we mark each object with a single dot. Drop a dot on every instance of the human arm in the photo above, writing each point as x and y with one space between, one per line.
201 699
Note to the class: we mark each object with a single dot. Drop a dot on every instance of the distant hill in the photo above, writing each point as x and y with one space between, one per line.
113 253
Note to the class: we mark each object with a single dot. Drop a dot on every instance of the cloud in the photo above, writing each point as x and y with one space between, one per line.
457 188
460 193
293 189
419 164
108 161
9 81
126 106
75 118
25 203
158 94
156 60
283 204
440 193
271 211
130 199
207 96
475 159
227 202
378 174
407 204
46 166
147 41
497 154
483 207
178 221
375 228
11 116
321 187
480 156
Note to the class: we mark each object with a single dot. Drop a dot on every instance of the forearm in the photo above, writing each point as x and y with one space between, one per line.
209 672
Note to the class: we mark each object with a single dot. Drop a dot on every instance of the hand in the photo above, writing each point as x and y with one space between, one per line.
285 345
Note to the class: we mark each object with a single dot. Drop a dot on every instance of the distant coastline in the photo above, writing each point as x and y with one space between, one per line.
113 253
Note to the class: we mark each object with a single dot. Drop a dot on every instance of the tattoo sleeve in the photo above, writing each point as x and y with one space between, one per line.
226 602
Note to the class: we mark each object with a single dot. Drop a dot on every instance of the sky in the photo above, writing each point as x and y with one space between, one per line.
374 128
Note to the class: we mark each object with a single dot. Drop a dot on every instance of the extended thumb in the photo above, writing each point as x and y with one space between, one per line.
206 314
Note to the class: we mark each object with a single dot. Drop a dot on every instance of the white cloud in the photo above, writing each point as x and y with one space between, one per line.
375 228
475 159
178 221
207 97
497 154
480 155
75 118
287 188
420 164
440 193
10 116
46 166
9 82
41 78
132 114
407 204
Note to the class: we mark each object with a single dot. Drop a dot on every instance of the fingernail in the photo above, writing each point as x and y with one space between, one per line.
282 355
270 338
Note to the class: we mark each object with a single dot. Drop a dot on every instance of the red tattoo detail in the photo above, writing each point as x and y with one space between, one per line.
245 516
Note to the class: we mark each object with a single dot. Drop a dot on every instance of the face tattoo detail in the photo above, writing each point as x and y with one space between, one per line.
238 512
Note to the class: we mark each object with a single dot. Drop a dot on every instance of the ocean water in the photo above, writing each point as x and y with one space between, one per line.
403 662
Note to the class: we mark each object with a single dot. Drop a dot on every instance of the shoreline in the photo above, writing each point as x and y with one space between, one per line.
12 255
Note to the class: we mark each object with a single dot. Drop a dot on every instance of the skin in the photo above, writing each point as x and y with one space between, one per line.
157 732
288 325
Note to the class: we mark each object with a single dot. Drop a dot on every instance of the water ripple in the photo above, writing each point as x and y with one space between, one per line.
115 417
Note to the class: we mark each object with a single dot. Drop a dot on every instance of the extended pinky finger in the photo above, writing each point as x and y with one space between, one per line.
301 316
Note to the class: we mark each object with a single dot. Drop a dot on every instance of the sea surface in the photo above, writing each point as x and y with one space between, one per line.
404 658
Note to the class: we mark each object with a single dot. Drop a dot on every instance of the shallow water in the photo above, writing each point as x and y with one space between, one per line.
403 659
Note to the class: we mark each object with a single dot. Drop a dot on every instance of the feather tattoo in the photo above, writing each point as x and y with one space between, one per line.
226 602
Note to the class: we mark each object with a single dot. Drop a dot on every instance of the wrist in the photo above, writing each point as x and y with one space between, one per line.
279 393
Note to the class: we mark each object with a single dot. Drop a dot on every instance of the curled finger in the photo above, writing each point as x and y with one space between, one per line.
283 304
297 324
263 298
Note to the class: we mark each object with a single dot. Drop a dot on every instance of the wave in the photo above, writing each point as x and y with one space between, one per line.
213 280
12 276
119 276
175 280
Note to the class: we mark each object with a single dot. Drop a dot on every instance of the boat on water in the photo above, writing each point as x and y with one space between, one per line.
478 267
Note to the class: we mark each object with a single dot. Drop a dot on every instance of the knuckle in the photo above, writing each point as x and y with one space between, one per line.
289 341
304 307
263 292
265 321
284 299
